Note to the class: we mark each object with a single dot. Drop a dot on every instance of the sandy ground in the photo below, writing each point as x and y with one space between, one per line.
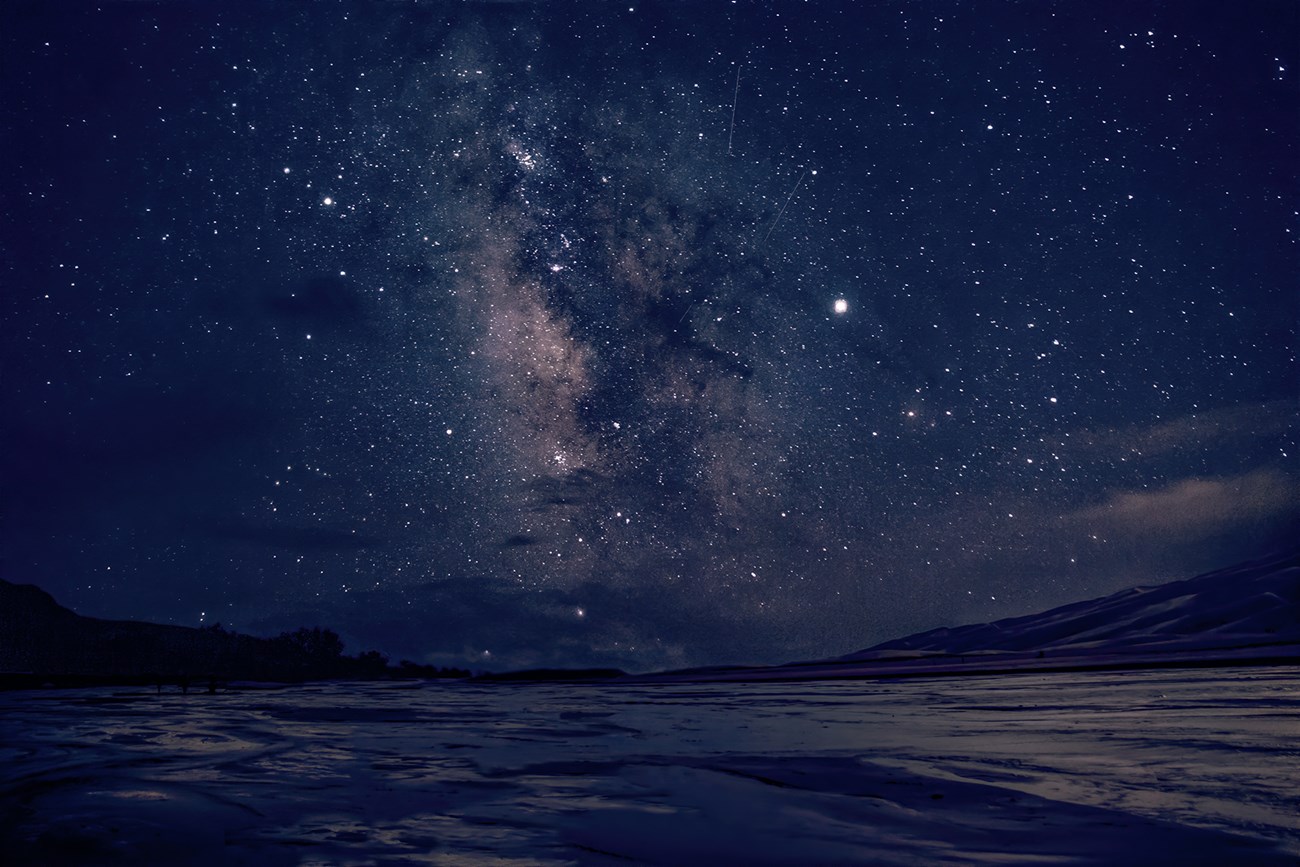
1115 768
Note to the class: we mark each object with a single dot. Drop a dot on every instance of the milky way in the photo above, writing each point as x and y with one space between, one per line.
644 335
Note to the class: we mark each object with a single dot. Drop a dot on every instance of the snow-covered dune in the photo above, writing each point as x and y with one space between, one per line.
1247 614
1252 604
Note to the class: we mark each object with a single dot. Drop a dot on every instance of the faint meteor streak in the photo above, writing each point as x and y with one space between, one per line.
783 207
734 97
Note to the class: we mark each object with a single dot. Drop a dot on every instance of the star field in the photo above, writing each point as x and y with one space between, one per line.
648 335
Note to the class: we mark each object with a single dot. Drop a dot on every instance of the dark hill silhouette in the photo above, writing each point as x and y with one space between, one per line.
41 641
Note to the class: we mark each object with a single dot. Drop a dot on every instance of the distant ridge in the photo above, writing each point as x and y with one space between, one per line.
1249 604
1243 615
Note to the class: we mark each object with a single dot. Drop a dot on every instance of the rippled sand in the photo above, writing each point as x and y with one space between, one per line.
1129 768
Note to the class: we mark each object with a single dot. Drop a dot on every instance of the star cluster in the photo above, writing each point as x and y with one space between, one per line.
648 335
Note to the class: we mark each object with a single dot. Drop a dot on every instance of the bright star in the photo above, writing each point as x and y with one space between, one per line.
841 306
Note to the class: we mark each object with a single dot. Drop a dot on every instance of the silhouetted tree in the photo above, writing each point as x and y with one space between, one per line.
316 644
372 663
407 668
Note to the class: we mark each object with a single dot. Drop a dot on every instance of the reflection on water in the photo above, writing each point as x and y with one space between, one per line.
1106 768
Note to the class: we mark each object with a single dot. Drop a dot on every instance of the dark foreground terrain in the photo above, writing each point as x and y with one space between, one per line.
1184 767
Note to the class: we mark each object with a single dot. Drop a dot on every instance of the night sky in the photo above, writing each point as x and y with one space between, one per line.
642 334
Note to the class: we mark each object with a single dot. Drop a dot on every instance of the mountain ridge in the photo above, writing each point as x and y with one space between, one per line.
1247 614
1248 603
1243 614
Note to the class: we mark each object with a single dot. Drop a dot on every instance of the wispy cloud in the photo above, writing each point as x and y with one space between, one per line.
1215 427
1195 506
